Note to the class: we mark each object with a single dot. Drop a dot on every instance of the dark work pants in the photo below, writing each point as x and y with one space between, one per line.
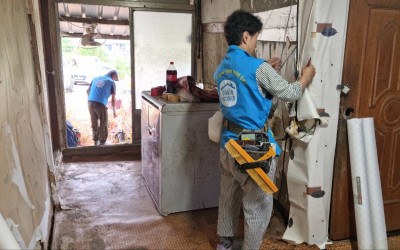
99 120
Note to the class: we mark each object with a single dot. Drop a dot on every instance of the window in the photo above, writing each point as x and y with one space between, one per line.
160 37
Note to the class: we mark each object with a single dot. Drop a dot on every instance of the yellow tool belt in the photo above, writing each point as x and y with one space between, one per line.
256 144
243 157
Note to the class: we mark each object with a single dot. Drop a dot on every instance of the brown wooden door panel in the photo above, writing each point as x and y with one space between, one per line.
381 99
372 69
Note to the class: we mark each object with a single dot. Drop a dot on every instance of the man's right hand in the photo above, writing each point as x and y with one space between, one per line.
88 89
307 74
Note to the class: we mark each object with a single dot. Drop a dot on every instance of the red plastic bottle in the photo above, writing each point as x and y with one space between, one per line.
171 78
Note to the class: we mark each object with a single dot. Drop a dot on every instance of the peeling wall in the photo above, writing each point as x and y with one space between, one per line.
25 148
322 34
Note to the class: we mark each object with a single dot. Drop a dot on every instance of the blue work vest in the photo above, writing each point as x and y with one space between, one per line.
100 89
240 99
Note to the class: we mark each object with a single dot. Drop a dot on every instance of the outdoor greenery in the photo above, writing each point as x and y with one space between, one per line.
122 67
70 49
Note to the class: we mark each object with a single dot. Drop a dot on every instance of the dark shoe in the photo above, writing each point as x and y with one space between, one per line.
237 244
230 244
221 246
102 143
225 243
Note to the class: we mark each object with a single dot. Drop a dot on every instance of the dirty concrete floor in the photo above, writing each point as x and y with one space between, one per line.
105 205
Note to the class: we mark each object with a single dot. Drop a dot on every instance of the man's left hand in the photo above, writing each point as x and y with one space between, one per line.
275 63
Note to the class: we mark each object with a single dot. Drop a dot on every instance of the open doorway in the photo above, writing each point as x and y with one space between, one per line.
94 40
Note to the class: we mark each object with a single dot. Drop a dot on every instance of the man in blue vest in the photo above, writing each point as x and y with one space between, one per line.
246 86
100 89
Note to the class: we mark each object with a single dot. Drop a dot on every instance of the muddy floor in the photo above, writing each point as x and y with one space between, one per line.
106 205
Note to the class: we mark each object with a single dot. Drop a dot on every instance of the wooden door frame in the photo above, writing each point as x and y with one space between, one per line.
52 52
53 62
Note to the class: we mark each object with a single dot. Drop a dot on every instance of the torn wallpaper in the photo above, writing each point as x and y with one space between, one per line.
322 34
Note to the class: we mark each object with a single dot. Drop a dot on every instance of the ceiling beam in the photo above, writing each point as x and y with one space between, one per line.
104 36
93 20
183 5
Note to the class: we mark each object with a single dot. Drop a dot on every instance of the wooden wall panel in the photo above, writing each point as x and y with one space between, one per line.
25 148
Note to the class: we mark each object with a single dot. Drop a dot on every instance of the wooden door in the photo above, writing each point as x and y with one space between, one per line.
372 70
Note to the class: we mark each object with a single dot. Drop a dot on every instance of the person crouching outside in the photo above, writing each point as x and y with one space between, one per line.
100 89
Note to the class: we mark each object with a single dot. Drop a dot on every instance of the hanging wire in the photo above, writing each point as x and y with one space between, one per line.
287 25
287 58
310 131
82 27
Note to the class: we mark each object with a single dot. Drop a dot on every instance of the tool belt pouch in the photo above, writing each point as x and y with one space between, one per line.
264 165
256 148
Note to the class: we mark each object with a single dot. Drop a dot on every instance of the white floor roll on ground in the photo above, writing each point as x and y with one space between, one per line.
359 183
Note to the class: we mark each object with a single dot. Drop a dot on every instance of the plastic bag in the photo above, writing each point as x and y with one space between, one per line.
215 127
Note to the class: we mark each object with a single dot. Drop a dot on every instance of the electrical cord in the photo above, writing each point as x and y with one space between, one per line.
82 27
307 131
287 58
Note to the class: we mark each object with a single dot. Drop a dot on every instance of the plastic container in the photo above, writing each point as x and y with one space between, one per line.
171 78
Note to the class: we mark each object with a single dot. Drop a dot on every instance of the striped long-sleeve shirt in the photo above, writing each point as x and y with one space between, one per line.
269 80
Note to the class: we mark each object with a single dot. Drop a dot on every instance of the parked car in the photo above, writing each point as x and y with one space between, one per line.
85 68
68 84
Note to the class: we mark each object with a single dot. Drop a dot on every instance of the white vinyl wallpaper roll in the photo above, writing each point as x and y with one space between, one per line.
359 183
367 191
377 214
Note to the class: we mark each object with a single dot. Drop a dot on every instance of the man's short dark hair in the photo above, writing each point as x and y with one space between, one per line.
239 22
113 73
